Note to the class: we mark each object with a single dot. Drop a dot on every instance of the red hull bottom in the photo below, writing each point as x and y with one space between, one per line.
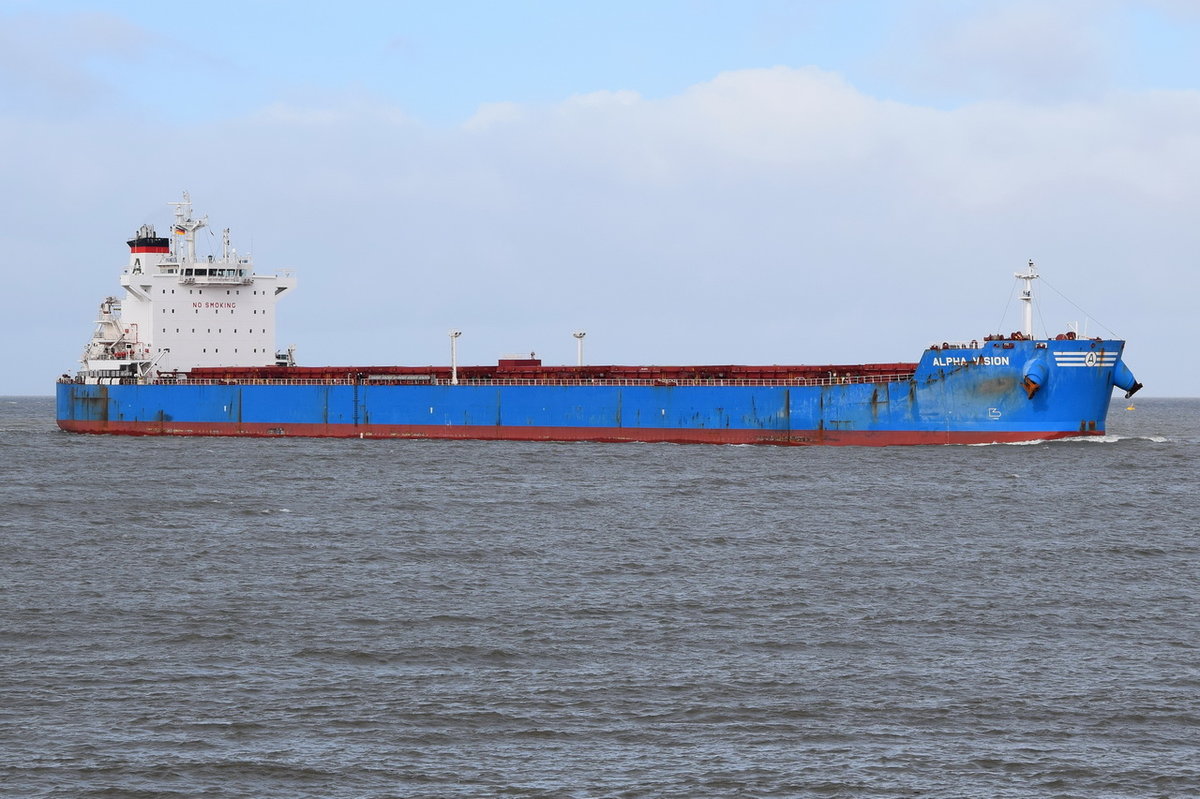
878 438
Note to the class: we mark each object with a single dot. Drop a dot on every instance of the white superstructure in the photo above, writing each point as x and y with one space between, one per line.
181 311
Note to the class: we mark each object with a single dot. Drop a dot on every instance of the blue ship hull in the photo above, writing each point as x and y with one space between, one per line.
1000 391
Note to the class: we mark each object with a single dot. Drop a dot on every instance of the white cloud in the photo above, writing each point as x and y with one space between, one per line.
45 60
489 115
771 215
1025 51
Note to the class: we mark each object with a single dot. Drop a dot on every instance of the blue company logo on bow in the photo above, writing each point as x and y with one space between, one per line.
1089 358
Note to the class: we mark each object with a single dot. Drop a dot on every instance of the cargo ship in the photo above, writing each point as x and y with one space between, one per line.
189 349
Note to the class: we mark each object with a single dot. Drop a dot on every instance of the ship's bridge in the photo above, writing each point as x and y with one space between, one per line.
181 311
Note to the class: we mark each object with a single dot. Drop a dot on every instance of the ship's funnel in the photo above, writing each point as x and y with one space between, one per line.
1124 379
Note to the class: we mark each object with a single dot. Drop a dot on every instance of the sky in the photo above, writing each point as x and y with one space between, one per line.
689 181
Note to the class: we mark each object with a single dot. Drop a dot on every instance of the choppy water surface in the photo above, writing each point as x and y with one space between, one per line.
292 618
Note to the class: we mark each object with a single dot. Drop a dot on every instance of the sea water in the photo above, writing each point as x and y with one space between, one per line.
227 617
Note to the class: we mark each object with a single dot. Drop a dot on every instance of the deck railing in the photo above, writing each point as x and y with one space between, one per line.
655 383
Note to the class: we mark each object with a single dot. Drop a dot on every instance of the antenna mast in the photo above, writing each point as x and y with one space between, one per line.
186 226
1027 298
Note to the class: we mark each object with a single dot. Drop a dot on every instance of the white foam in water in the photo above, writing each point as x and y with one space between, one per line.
1105 439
